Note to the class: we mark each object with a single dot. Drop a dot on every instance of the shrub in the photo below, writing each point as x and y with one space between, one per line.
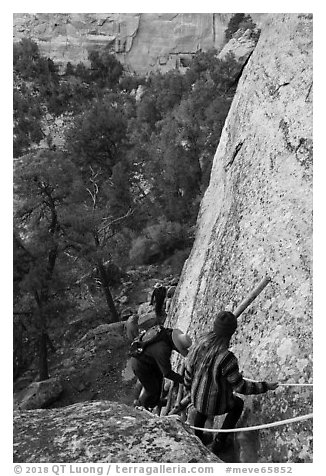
119 245
141 250
177 260
158 241
106 70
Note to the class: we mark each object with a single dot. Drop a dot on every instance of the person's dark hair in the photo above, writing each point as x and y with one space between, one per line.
210 344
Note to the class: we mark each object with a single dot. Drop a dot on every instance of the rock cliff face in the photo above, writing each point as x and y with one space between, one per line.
256 220
104 432
141 41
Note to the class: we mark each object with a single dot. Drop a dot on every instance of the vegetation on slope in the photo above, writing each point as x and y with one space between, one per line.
123 187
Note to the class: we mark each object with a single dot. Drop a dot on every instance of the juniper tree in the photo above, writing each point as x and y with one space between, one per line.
42 184
98 146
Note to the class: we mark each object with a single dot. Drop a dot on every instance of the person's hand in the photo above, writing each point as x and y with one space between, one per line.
272 385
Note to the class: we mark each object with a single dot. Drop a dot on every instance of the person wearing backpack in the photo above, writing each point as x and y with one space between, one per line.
170 293
158 300
212 376
153 363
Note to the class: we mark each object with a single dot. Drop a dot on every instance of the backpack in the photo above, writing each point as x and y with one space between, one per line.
144 339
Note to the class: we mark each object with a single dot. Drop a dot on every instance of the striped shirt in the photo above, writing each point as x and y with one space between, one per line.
212 385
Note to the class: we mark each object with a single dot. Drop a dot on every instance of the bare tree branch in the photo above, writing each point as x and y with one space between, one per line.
105 229
93 196
95 191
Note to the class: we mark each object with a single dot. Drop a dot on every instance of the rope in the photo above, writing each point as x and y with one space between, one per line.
257 427
285 384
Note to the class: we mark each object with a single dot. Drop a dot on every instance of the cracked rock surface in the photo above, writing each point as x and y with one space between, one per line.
104 432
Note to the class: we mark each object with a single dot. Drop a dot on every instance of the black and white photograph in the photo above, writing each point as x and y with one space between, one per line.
162 240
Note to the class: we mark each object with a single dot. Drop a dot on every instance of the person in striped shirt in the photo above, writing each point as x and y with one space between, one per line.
212 376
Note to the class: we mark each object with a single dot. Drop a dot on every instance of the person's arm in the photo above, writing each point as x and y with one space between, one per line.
152 298
188 375
175 377
230 370
162 354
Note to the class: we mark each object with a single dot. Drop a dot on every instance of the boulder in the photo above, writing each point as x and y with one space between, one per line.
241 45
39 394
123 299
104 432
105 332
126 313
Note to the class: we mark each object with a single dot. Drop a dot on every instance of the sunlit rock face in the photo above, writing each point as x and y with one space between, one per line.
256 220
141 41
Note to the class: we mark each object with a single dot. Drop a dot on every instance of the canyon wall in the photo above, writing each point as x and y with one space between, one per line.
141 41
256 220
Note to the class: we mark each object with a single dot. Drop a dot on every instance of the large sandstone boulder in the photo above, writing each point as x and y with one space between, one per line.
241 45
255 220
39 394
104 432
107 332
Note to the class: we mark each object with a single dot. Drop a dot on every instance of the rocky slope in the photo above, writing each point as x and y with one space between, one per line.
141 41
91 357
256 220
